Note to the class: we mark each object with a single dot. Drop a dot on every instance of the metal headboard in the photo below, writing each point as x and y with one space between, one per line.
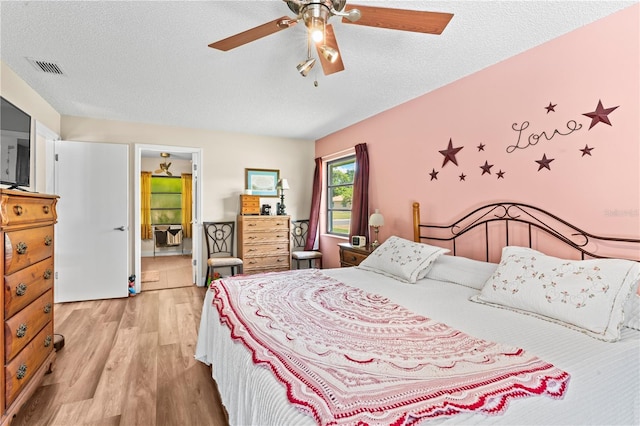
533 219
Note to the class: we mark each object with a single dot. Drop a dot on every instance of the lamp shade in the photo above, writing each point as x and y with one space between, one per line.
376 219
283 184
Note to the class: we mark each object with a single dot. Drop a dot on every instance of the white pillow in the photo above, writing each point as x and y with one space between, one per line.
461 270
632 312
402 259
588 295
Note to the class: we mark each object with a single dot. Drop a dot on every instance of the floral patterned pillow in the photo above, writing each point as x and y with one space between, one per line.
588 295
402 259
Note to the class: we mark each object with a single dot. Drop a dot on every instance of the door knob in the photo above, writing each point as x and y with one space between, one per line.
119 228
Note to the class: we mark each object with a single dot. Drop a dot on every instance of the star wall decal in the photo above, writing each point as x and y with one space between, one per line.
500 174
544 163
450 153
462 177
486 168
600 115
586 150
550 107
434 174
481 147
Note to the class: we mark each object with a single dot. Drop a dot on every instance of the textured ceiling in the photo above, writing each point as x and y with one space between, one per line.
149 61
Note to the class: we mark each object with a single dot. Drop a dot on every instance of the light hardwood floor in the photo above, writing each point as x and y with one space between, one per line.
173 271
128 362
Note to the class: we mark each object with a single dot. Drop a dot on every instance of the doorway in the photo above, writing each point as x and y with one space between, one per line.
170 263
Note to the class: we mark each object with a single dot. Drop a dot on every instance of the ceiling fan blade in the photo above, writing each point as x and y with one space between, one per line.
400 19
330 40
253 34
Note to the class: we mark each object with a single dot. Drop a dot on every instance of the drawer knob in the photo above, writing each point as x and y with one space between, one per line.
48 240
46 209
21 247
17 209
353 258
47 308
47 341
22 371
21 289
47 274
22 330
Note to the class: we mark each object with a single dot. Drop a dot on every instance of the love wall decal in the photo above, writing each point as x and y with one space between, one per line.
525 139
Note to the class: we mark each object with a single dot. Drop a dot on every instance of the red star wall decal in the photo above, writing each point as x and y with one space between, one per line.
600 115
481 147
450 153
550 107
500 174
434 174
544 163
486 168
586 150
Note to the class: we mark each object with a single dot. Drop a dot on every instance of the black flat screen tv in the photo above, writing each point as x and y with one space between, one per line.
15 145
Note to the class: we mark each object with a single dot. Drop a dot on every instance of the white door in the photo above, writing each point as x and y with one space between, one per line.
92 235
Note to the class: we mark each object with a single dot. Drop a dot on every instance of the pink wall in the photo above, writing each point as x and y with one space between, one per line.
598 192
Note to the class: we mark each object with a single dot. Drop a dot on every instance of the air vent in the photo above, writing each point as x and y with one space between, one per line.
46 66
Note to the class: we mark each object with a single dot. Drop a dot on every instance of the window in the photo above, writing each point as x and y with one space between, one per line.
166 200
340 175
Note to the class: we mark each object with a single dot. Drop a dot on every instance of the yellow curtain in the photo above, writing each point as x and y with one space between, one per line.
145 203
186 205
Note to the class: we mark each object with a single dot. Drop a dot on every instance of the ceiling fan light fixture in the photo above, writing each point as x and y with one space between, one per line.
329 53
305 66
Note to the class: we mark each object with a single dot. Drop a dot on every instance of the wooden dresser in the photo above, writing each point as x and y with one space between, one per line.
352 256
26 227
264 243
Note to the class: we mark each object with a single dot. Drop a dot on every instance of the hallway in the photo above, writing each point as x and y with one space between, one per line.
162 272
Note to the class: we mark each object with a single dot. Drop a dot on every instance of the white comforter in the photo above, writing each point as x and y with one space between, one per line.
605 377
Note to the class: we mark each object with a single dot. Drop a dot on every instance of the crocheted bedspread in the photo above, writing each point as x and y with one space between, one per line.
350 357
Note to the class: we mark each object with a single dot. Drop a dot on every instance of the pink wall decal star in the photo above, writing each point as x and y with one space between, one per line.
434 174
586 150
486 168
550 107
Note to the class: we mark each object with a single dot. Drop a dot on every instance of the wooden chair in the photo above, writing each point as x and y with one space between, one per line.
220 237
299 231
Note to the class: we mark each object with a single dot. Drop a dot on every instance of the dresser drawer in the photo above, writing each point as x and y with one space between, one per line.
269 263
265 250
24 286
27 210
20 328
266 224
18 372
26 247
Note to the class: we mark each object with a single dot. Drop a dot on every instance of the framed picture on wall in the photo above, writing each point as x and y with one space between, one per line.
262 182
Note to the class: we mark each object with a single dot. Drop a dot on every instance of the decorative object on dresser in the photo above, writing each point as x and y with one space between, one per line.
283 185
352 256
300 230
27 231
249 204
220 237
264 243
376 220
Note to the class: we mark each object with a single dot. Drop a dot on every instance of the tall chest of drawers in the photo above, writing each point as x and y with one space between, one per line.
26 229
264 243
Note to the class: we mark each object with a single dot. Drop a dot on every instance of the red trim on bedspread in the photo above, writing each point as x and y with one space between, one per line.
351 357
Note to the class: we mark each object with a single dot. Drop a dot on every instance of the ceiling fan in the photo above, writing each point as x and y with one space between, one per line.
316 15
164 166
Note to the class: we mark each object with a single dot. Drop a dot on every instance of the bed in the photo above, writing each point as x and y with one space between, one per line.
500 350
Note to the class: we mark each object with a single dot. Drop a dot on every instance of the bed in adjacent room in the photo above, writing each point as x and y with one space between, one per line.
418 334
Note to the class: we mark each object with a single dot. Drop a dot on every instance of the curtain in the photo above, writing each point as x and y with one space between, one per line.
186 204
145 205
360 205
314 214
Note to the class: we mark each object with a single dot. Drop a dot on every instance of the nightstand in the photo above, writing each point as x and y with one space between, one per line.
352 256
